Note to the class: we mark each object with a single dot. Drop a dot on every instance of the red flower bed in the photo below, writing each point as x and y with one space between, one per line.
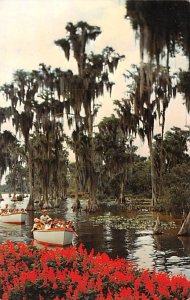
29 273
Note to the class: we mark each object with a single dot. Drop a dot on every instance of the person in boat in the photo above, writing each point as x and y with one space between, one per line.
3 212
44 217
48 225
6 210
37 225
62 224
69 224
54 223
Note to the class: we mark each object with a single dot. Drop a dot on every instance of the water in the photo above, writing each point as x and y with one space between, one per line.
123 237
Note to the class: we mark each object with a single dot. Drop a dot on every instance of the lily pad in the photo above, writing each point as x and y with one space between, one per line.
138 222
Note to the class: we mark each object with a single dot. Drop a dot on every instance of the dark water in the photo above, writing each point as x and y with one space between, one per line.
165 252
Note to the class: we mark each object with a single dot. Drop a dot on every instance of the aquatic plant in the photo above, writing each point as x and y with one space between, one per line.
139 222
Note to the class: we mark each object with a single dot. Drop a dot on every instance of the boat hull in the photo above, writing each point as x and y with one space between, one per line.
54 237
16 218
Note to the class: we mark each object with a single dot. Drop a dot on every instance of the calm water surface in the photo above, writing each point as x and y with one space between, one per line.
165 252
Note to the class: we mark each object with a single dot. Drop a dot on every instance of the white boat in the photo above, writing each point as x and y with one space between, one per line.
54 236
14 218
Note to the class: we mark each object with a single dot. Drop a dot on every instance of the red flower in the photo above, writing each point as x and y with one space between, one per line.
79 274
126 293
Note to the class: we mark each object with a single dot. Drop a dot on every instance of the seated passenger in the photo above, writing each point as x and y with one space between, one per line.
55 223
3 212
62 224
69 224
6 209
37 225
48 225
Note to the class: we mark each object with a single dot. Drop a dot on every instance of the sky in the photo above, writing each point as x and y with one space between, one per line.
30 27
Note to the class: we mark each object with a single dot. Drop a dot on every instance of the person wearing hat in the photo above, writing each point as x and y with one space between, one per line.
48 225
37 225
44 217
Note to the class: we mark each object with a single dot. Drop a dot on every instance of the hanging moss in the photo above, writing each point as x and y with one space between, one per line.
65 45
184 87
160 25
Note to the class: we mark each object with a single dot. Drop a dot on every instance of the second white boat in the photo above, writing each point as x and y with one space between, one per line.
14 218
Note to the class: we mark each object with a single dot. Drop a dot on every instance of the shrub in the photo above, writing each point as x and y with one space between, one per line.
29 273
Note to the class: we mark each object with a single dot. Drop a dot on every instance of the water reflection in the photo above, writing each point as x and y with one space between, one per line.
15 233
186 244
165 252
143 258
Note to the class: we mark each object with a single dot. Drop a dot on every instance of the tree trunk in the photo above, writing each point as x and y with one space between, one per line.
185 228
92 202
160 185
57 202
157 228
30 205
121 198
153 175
76 204
45 200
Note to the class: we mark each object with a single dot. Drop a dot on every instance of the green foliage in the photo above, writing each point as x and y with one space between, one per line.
175 147
115 151
177 188
17 179
4 188
184 87
8 145
139 183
